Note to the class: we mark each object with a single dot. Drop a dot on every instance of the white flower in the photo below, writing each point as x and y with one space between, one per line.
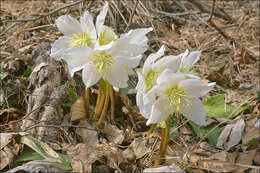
80 33
153 67
112 62
148 76
175 93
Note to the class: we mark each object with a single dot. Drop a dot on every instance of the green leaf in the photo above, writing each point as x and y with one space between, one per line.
72 92
48 153
68 105
27 73
3 75
207 132
252 143
173 131
217 108
29 155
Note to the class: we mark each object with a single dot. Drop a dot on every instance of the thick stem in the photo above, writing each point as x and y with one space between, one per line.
101 98
112 104
87 101
164 142
151 130
104 111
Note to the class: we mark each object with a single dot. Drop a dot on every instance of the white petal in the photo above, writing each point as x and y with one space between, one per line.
68 25
77 57
191 59
159 113
117 76
101 18
138 36
90 75
88 26
144 109
140 86
170 62
169 78
195 87
126 59
59 46
152 58
196 112
151 95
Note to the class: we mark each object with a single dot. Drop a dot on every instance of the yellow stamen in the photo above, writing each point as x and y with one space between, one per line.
107 36
102 61
178 98
80 39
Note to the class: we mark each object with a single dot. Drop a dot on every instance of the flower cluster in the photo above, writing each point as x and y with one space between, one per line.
167 86
98 50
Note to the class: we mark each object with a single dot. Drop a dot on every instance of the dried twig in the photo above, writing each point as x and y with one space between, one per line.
131 16
46 14
206 10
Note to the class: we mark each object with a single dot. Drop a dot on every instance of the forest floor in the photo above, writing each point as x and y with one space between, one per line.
43 123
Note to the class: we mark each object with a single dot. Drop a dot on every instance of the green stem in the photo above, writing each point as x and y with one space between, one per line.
112 104
164 142
101 98
104 111
87 100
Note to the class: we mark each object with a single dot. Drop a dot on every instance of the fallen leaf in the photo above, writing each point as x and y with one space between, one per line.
165 169
224 136
89 137
139 147
236 134
37 166
217 166
114 134
78 110
245 159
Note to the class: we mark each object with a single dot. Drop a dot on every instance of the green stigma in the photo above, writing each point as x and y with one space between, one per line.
150 78
102 61
185 69
178 98
107 36
80 39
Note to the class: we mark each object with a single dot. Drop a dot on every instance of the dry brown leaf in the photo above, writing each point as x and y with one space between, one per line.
217 166
37 166
89 137
251 132
78 110
114 134
245 159
224 136
165 169
139 147
83 156
224 156
236 134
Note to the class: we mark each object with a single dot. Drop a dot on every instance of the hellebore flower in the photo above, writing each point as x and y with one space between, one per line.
175 93
109 61
77 33
147 77
153 67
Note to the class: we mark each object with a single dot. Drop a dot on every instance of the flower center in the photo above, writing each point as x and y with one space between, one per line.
107 36
80 39
102 61
150 78
186 69
178 98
